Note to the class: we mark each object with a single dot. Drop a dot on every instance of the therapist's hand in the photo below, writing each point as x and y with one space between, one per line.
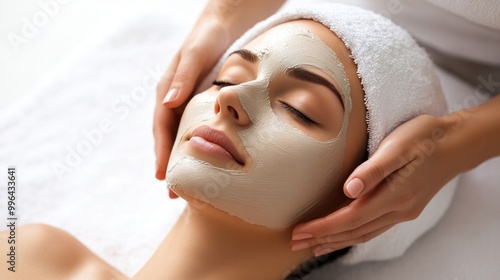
410 166
204 45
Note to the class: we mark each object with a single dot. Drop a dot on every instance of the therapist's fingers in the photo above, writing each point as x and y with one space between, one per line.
171 194
166 81
358 213
173 92
162 131
398 149
184 77
164 121
372 172
326 248
365 214
347 236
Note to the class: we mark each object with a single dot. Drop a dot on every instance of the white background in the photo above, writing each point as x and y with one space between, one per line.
71 23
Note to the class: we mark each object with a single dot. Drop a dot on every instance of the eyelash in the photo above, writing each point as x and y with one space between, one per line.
222 84
297 113
285 105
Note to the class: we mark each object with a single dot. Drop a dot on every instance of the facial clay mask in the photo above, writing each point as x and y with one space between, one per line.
290 170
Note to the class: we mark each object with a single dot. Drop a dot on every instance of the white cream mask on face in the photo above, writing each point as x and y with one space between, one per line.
290 170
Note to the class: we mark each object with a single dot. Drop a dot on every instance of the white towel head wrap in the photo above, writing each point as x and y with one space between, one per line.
397 76
399 83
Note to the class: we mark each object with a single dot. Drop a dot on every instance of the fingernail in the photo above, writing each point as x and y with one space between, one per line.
321 252
301 236
300 246
171 95
355 187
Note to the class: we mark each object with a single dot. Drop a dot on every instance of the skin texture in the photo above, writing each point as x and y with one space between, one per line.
377 208
204 237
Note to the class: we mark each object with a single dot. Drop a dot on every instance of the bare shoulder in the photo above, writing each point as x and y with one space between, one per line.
46 252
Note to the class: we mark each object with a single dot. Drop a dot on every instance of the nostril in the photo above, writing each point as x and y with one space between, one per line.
233 112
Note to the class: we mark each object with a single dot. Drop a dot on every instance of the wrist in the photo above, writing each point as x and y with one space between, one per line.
458 152
235 17
473 135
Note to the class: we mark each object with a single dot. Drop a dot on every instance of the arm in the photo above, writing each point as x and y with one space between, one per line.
477 131
410 166
240 15
220 23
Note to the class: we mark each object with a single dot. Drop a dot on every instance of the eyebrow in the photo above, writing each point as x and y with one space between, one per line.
308 76
296 72
246 55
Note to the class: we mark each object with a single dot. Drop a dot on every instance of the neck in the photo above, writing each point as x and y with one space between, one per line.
207 244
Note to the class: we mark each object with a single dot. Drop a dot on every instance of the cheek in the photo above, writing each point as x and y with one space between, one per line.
199 109
276 145
200 106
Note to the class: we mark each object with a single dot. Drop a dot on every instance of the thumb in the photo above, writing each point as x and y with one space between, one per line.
183 82
371 172
171 194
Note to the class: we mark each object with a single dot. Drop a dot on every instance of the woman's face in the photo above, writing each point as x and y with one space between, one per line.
269 139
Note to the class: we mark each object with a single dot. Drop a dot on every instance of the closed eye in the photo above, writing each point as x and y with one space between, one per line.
286 106
297 114
222 84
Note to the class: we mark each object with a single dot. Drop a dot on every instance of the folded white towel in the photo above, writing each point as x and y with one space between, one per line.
398 77
399 82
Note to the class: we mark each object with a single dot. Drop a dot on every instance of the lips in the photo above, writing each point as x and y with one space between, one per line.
218 138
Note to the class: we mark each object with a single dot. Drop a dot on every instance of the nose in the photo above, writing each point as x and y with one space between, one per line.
228 106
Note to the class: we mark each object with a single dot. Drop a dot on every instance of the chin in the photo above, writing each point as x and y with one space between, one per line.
192 201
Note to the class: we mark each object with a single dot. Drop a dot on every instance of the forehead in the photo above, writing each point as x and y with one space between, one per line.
293 45
297 40
322 32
